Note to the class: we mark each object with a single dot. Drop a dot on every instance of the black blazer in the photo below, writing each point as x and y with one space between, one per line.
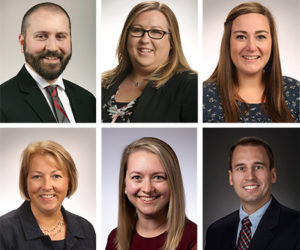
176 101
20 231
21 100
277 230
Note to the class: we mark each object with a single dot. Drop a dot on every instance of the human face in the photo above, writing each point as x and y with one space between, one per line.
47 184
251 176
47 43
250 44
146 185
147 54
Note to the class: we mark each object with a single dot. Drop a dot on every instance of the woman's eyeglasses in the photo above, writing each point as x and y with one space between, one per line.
153 33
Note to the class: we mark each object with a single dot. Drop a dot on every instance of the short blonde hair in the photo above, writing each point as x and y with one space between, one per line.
55 150
176 217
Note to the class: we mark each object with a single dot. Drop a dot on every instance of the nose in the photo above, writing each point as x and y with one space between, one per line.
51 44
47 184
145 38
251 46
147 186
250 174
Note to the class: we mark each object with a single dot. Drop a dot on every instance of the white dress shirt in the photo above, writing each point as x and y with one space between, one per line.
42 84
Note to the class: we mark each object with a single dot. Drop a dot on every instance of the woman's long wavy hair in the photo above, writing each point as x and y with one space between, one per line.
176 61
176 218
226 76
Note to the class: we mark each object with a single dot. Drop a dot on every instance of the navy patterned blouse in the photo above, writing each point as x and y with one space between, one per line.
213 111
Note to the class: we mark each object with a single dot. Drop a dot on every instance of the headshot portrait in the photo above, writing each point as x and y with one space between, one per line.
251 65
150 61
251 188
149 188
48 187
49 57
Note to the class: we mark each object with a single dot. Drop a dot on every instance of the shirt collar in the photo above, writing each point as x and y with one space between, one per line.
41 82
256 216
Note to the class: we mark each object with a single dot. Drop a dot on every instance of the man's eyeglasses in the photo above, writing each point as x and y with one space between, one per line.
153 33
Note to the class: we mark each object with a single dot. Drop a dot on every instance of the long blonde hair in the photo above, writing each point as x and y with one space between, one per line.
176 61
176 218
225 74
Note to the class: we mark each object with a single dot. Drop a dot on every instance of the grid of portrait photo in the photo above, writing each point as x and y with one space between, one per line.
150 125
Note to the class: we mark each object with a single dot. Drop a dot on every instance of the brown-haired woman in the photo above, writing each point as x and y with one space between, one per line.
247 84
47 176
151 200
153 81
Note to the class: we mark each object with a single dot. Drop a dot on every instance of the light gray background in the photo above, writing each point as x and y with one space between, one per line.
80 143
184 143
82 66
113 17
286 15
219 198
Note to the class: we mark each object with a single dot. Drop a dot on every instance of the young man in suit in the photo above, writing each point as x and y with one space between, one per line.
39 93
261 223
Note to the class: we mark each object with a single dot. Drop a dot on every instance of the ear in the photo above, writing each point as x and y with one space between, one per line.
21 41
273 175
230 177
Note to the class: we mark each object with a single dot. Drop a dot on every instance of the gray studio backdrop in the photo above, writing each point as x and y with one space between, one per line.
80 143
184 143
287 18
219 198
82 66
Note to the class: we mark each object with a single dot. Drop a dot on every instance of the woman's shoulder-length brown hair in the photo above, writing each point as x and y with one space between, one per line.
176 62
176 210
226 77
55 150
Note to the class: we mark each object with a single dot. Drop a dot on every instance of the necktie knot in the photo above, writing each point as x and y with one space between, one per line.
246 222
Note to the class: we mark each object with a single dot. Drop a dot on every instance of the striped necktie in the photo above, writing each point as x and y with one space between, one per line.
58 108
245 235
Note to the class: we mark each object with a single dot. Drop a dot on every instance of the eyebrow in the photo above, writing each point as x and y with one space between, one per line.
155 173
254 163
39 172
245 32
152 27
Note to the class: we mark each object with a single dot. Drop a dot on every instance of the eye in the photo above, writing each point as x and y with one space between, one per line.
261 37
259 167
135 177
137 30
57 176
41 37
240 169
36 177
241 37
157 32
159 178
61 36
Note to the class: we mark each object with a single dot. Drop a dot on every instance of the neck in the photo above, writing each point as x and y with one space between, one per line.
45 218
252 208
151 227
251 88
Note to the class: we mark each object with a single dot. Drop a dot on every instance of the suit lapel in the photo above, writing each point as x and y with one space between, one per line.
74 102
265 230
34 97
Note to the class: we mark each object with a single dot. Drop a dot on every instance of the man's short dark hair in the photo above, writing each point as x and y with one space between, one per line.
252 141
48 6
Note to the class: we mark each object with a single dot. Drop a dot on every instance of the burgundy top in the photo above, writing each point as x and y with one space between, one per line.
188 240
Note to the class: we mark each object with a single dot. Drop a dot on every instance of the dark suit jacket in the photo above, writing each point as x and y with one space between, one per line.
176 101
277 230
21 100
20 231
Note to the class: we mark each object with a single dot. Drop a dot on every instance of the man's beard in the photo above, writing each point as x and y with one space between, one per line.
49 71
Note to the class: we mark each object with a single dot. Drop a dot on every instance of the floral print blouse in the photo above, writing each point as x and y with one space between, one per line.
213 111
116 111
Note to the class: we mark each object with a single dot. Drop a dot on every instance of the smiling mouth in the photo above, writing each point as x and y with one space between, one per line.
47 196
148 199
143 50
250 188
250 58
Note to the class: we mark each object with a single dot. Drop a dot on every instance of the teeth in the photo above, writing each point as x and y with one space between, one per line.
251 57
51 58
250 187
148 198
145 50
47 196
